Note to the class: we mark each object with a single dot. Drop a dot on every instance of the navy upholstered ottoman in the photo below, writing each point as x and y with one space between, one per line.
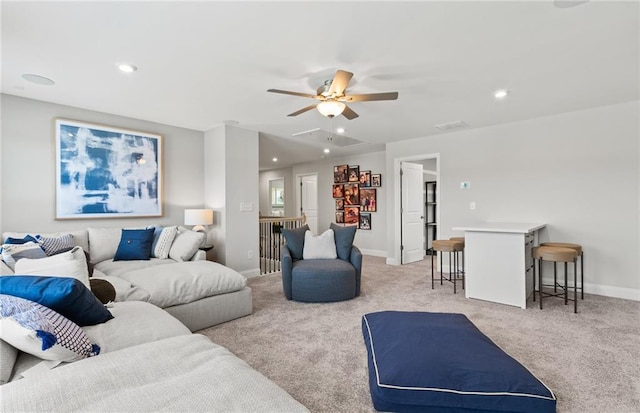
437 362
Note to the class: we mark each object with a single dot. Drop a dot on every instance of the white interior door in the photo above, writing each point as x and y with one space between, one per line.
412 208
308 200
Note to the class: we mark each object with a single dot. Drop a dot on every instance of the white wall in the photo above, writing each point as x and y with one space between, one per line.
231 179
577 172
28 166
372 241
289 194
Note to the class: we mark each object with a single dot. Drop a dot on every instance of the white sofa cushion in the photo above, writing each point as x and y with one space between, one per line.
187 373
8 357
103 243
72 263
133 323
321 246
186 244
185 282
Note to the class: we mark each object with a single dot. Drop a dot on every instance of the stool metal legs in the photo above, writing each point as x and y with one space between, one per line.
453 275
565 287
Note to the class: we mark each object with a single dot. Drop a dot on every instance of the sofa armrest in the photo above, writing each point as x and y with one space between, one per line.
356 260
5 269
199 256
286 264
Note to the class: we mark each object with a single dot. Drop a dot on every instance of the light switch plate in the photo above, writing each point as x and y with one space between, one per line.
465 185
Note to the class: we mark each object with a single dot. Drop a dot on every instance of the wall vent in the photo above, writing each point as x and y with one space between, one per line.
457 124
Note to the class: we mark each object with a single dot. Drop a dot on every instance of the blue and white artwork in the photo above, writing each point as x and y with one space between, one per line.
104 172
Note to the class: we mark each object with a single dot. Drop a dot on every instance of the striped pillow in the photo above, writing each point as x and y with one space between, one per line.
42 332
11 253
56 245
162 242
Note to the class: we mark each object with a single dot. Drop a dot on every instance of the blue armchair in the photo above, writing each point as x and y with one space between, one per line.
322 280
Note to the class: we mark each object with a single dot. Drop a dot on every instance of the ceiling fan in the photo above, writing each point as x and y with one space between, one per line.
332 97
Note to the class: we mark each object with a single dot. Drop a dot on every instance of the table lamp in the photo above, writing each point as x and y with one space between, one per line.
199 218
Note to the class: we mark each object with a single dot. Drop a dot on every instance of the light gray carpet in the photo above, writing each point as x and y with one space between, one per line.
591 360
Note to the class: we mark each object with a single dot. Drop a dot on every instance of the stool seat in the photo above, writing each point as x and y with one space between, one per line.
446 245
555 254
576 247
459 239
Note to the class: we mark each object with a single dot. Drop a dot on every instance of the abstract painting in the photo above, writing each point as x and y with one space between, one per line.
105 172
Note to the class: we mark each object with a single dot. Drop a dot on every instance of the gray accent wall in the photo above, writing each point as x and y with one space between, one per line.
577 172
28 166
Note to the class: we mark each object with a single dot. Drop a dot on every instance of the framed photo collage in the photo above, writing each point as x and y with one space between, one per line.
355 195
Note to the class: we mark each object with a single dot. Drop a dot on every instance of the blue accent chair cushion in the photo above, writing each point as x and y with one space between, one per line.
135 244
64 295
295 240
441 362
344 240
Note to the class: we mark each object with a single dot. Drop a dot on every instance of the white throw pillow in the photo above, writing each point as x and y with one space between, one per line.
186 244
321 246
162 245
103 243
72 263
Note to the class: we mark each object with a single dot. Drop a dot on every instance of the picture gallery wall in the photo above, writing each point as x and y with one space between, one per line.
355 195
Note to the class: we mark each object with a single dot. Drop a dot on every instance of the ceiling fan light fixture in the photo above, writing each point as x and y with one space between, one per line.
331 108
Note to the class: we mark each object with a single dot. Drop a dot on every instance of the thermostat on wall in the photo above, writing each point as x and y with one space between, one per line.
465 185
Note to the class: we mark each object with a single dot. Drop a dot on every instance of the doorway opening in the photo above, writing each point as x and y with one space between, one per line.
417 212
307 199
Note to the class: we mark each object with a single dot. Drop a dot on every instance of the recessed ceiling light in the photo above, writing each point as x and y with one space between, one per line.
340 130
500 94
127 67
275 159
327 150
41 80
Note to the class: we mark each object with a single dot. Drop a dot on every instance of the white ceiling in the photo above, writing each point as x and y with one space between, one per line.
204 63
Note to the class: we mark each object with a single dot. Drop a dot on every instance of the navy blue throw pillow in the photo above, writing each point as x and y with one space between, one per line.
135 244
295 240
344 240
20 241
65 295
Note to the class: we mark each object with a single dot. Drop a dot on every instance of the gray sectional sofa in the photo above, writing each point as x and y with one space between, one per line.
149 361
197 292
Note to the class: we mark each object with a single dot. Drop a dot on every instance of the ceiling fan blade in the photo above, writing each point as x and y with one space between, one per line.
340 82
349 113
303 110
369 97
286 92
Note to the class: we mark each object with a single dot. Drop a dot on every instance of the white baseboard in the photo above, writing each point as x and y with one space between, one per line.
605 290
255 272
392 261
374 253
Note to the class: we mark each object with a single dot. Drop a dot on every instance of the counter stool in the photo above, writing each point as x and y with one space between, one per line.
555 255
452 247
460 239
580 252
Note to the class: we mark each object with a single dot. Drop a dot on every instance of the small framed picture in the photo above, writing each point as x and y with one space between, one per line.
365 178
354 173
368 200
340 174
351 194
376 180
351 215
338 190
365 221
339 217
339 204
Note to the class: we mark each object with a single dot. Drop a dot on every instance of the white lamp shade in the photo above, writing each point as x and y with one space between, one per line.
331 108
198 217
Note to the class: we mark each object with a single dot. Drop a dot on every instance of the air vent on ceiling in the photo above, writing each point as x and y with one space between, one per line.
457 124
322 138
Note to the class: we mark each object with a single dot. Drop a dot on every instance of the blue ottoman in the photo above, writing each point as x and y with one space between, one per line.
439 362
